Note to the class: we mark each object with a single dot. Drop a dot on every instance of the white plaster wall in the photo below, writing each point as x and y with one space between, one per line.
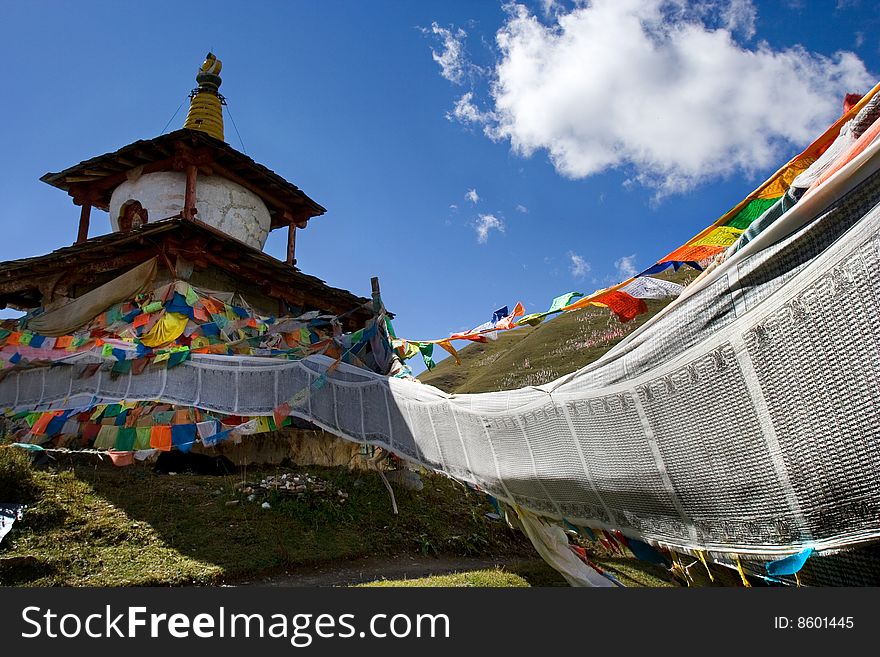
220 203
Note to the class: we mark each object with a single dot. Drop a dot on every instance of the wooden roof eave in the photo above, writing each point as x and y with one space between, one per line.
92 181
192 240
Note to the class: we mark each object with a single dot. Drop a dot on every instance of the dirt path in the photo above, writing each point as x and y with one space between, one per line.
371 569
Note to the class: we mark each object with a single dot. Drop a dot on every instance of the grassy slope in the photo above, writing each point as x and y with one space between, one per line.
534 356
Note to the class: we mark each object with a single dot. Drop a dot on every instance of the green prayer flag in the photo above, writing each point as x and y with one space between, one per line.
122 367
563 300
152 307
106 437
191 297
142 439
390 328
125 439
114 314
532 320
752 210
177 357
427 351
113 410
163 417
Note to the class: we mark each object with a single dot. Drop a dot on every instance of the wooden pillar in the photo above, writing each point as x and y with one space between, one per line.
291 243
377 296
189 199
84 214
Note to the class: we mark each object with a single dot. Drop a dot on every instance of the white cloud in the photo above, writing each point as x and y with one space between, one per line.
485 223
860 39
523 209
467 113
551 7
453 207
578 266
660 88
626 266
472 196
739 16
452 56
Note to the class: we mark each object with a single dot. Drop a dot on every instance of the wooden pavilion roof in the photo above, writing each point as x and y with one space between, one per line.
93 181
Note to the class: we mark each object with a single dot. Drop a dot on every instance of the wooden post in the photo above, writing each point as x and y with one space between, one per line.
291 244
189 199
377 298
84 214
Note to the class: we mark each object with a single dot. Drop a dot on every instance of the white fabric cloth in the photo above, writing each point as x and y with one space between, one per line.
646 287
78 312
742 419
552 544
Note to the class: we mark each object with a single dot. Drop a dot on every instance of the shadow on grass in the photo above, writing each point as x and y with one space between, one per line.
105 526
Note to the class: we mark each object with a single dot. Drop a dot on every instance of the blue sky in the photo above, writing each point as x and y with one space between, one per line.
596 137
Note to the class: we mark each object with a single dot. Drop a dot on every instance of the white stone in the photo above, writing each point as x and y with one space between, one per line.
221 203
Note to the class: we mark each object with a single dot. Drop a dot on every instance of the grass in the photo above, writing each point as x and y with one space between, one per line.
103 526
96 525
538 574
17 483
497 578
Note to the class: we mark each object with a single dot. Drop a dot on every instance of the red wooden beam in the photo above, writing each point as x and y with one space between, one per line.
291 244
189 199
84 214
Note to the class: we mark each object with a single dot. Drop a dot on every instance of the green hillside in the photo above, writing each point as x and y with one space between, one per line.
534 356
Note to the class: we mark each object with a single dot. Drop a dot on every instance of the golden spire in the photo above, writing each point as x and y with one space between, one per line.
205 103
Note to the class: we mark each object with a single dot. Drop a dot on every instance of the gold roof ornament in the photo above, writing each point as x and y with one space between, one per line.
206 102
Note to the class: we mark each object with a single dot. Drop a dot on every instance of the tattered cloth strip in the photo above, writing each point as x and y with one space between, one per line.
790 565
81 310
9 513
552 544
